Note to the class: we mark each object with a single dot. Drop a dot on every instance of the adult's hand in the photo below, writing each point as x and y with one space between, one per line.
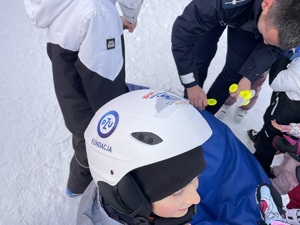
129 26
244 84
197 97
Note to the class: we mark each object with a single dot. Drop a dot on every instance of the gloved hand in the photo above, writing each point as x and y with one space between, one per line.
279 65
286 144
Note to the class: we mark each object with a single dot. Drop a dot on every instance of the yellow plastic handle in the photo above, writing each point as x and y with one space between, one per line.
233 87
246 94
247 102
211 101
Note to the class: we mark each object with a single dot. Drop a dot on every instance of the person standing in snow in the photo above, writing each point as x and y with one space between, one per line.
254 28
148 173
284 79
86 47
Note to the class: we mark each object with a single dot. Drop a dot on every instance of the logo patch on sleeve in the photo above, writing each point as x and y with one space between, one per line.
110 43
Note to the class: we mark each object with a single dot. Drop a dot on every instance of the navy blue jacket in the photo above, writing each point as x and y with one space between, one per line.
201 16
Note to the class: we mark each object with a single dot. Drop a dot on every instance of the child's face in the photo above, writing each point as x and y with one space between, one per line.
177 204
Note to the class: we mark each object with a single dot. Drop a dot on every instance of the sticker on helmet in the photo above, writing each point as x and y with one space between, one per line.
107 124
166 103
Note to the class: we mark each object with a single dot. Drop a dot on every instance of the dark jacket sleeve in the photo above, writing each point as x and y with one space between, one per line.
259 61
197 18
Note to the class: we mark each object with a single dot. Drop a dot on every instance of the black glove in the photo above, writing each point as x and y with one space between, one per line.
286 144
279 65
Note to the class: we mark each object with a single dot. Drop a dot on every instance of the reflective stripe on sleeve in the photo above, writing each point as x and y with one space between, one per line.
188 78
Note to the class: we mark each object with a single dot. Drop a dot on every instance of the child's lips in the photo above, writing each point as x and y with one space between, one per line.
183 209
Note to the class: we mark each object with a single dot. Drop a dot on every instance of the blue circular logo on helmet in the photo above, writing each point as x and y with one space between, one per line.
108 124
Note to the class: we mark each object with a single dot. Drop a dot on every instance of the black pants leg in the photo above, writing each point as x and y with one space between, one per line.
79 176
265 152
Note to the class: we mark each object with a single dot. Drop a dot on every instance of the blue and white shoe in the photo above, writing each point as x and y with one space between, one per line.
270 204
70 194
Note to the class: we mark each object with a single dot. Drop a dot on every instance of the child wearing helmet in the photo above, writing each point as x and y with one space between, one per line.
145 155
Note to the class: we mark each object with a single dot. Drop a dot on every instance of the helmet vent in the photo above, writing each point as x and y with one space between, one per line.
147 138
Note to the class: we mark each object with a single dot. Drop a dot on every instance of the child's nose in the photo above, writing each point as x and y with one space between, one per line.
193 197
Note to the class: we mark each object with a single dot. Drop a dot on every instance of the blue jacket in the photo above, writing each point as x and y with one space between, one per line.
201 16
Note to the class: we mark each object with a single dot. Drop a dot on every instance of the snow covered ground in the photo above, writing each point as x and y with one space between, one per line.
36 146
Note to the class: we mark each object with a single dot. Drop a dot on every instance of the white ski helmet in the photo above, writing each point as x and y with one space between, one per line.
140 128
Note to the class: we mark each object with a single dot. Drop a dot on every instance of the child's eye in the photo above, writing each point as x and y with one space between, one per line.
178 193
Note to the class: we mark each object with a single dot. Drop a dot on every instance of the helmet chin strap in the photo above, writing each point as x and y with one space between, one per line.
156 220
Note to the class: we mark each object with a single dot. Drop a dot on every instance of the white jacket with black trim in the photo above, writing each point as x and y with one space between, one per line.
92 28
